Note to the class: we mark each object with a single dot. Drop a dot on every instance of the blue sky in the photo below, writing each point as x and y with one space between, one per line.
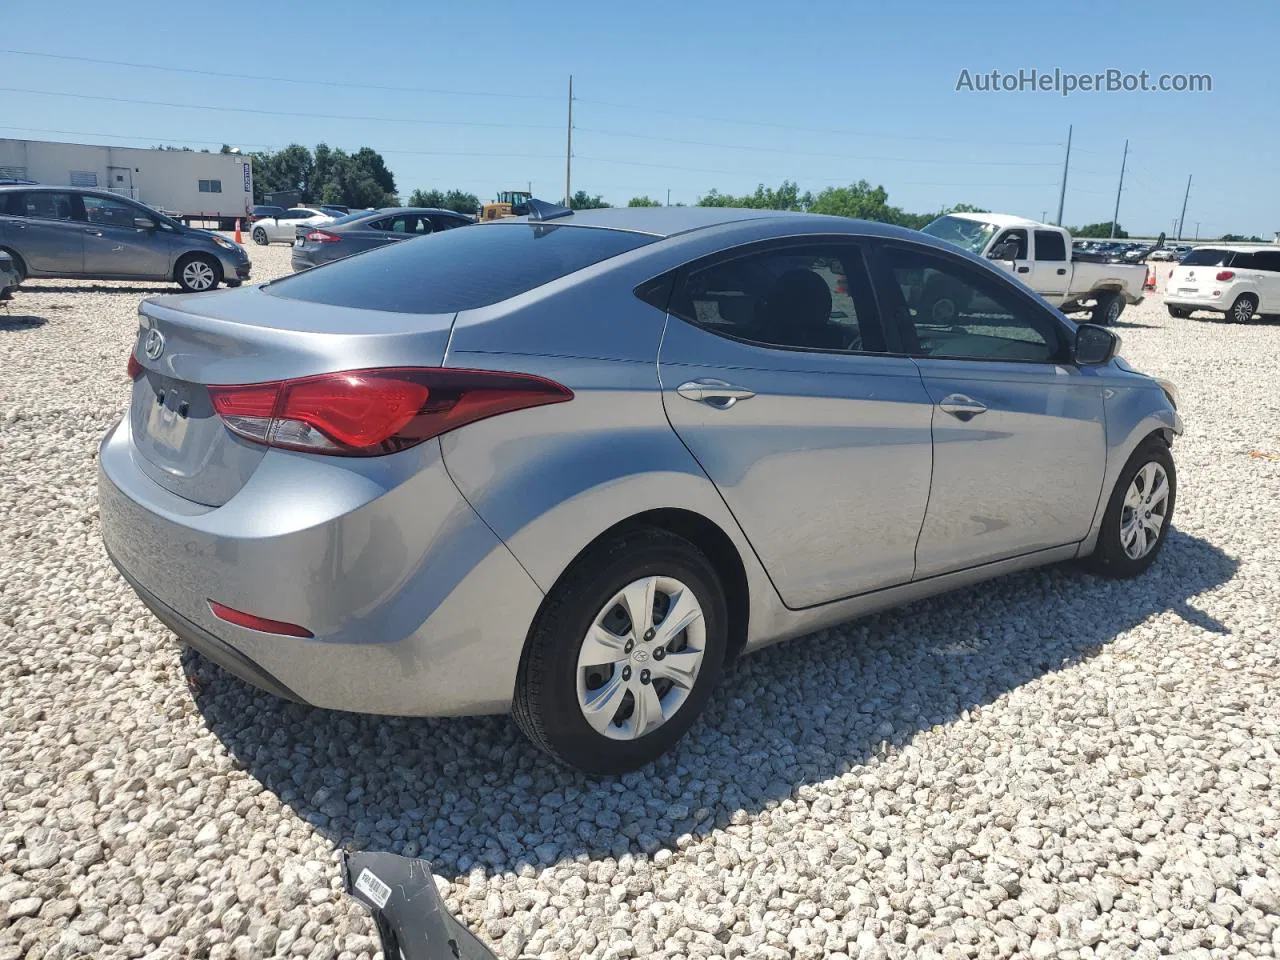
823 93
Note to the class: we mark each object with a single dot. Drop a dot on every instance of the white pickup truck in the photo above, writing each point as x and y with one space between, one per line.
1039 254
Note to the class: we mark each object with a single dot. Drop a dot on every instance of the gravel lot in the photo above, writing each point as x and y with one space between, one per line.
1048 765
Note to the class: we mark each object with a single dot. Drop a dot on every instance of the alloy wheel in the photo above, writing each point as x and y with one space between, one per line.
1146 506
198 275
640 658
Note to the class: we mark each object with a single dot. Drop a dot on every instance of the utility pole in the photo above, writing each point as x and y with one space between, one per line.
1062 196
1044 216
1182 218
668 196
568 151
1197 229
1116 216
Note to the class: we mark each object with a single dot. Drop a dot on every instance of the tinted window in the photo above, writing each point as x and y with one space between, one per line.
950 309
1268 260
1019 236
43 204
458 269
447 223
350 217
112 213
1050 245
1207 257
1245 261
812 297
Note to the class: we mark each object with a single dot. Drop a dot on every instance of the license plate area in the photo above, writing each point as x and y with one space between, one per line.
168 421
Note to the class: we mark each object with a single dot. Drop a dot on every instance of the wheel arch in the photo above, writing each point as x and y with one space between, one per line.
18 261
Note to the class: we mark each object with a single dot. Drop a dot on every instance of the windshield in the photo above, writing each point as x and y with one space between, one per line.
971 235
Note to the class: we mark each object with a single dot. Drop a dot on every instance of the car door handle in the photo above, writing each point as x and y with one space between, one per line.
92 232
962 407
1024 269
1062 271
715 393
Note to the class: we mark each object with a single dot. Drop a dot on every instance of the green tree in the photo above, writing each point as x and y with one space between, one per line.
1102 230
786 197
583 201
456 200
1240 238
642 202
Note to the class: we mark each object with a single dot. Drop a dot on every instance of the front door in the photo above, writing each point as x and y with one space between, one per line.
775 375
46 234
115 247
1019 439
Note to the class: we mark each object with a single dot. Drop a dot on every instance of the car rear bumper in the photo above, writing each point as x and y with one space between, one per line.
416 607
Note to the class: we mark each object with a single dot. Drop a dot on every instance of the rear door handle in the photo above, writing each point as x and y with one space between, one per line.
1024 269
714 393
962 407
1062 271
92 232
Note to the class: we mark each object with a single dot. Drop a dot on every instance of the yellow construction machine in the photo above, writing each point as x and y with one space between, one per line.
510 203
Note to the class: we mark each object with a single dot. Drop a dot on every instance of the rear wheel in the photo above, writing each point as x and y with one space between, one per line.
1136 523
18 264
198 272
1243 309
624 654
260 236
1107 309
1180 312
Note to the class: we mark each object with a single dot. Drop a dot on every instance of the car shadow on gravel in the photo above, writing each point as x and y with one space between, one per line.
116 287
471 792
12 323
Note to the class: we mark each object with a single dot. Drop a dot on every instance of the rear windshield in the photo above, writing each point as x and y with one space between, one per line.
457 269
348 217
1205 257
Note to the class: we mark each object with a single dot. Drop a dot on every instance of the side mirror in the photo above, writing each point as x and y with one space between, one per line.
144 223
1095 345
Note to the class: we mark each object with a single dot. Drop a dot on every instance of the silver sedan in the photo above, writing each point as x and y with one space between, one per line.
570 466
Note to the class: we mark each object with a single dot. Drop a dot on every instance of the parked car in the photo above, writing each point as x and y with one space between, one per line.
75 233
572 466
9 278
1238 282
1041 256
263 211
282 228
367 229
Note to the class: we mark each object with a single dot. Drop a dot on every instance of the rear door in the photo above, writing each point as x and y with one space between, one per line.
46 234
115 247
1268 266
1050 269
777 376
1019 441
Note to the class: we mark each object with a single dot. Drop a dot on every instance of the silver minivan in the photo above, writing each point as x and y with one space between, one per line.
72 233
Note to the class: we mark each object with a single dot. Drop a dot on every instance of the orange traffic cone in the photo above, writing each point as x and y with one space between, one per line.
238 240
1150 282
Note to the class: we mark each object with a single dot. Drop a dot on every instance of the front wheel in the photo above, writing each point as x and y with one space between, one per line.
1136 523
198 273
624 654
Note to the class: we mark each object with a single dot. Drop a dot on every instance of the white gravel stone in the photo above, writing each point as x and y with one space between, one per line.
1048 765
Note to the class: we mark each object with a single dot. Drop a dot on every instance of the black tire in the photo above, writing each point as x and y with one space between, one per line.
546 698
260 236
1109 558
18 263
188 283
1180 312
1244 308
1107 308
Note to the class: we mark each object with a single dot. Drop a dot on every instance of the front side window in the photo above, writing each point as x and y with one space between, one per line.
1017 237
44 205
815 297
1050 245
108 212
1268 260
949 309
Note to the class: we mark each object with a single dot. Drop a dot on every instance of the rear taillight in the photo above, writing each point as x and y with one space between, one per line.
367 413
134 368
321 236
1225 275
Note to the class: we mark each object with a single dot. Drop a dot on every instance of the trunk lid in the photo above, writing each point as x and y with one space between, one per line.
246 336
1196 275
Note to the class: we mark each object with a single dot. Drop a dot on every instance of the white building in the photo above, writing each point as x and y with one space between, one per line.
179 182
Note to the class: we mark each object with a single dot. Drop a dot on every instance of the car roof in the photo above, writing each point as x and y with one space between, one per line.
392 211
668 221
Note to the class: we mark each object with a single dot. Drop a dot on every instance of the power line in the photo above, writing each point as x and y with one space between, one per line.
297 80
741 173
823 130
806 153
285 113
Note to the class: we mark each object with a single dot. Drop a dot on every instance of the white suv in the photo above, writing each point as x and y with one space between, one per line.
1238 282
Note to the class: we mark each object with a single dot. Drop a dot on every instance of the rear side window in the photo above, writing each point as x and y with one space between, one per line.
1050 245
1207 257
458 269
43 205
1267 260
